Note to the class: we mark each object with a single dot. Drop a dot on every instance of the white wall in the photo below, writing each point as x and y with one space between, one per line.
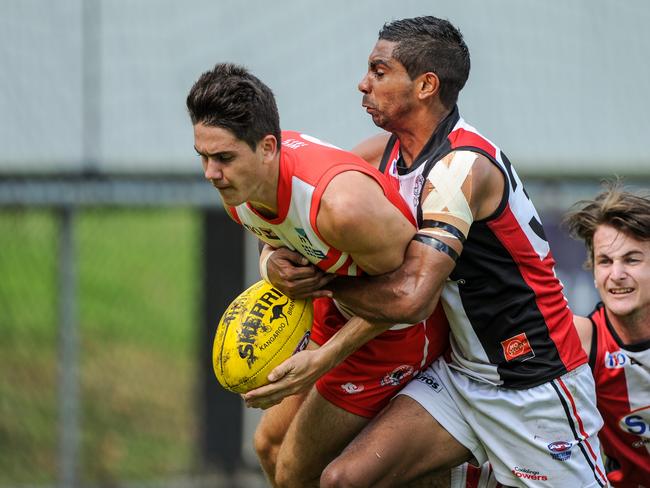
560 86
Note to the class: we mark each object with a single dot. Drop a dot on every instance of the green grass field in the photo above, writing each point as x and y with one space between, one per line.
137 273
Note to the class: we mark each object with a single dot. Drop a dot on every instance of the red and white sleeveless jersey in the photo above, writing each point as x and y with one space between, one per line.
307 165
511 325
622 374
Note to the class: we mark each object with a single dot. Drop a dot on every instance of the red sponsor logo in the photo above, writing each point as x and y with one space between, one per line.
516 347
529 474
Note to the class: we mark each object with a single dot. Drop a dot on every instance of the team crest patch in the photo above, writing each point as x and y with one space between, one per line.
396 376
517 347
351 388
560 450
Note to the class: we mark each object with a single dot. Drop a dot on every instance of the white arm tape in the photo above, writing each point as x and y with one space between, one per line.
264 273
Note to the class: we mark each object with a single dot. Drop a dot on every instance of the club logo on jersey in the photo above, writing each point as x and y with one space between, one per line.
396 376
560 450
417 189
307 246
637 422
262 232
616 359
528 474
431 380
351 388
517 347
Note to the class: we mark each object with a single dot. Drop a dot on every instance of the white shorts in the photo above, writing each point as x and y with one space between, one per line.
470 476
540 436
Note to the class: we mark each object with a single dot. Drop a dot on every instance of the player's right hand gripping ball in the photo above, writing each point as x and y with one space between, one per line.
260 329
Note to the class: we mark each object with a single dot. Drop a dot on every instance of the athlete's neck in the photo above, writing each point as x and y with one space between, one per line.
633 328
414 133
265 199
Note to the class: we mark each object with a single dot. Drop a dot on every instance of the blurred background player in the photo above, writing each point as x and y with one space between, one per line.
615 227
482 245
344 216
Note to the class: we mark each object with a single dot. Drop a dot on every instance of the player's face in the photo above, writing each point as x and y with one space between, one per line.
232 167
622 273
388 91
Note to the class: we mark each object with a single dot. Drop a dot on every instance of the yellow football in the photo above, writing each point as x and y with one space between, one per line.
260 329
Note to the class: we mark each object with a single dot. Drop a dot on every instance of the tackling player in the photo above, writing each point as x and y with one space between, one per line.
517 390
615 228
345 217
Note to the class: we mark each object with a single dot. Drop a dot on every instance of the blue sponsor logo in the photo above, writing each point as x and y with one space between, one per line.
430 380
560 450
615 360
636 422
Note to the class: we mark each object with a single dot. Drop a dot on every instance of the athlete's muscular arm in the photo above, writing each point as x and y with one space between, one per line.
292 273
356 217
472 189
289 271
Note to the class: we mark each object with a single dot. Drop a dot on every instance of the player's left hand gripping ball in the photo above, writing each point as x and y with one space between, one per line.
259 330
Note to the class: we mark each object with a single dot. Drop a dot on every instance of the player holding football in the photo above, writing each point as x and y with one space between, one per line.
517 390
343 216
615 228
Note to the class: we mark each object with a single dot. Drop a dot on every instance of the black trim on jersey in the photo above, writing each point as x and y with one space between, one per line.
571 423
593 351
506 188
508 165
433 147
634 347
387 150
454 231
436 244
537 227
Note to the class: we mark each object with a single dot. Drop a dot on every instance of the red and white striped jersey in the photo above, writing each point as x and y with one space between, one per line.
511 325
307 165
622 374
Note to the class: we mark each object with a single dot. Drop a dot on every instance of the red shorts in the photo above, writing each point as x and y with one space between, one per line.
367 379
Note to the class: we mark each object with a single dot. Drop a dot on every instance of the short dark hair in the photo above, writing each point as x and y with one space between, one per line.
431 44
229 96
625 211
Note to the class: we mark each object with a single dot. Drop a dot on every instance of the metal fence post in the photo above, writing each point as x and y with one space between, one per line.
223 280
68 353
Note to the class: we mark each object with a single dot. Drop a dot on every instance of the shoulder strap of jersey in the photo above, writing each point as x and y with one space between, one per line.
595 316
593 351
388 153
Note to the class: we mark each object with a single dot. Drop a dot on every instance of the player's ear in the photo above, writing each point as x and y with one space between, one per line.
428 85
269 146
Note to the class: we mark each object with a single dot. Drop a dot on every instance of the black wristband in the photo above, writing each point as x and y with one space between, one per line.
436 244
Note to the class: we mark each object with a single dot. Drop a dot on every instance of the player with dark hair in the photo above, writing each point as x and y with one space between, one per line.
344 217
517 390
615 227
